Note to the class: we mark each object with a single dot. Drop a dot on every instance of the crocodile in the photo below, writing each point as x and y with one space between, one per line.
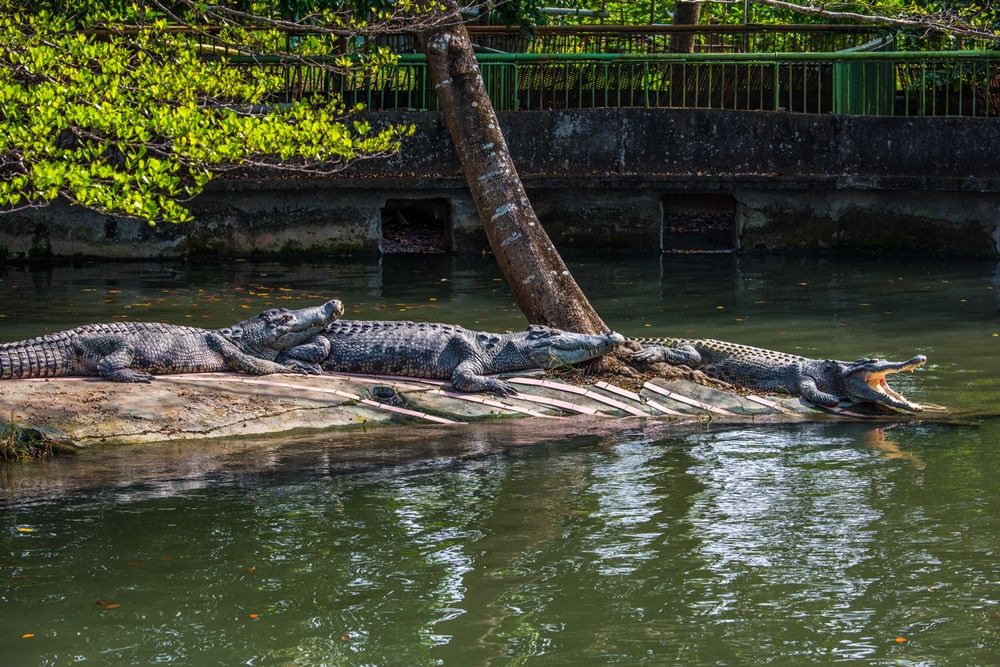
823 382
442 351
132 351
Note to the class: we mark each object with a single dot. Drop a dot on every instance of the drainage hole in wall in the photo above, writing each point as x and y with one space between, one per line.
699 223
416 226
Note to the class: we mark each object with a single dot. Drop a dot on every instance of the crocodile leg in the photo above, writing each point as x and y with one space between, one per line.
685 354
308 357
805 387
468 377
240 361
111 358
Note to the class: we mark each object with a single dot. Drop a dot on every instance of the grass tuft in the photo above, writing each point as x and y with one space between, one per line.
20 444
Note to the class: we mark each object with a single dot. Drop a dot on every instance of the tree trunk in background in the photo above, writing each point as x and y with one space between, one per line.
541 283
685 13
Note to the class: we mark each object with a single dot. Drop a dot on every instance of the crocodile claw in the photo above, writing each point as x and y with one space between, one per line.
128 375
650 355
303 367
502 388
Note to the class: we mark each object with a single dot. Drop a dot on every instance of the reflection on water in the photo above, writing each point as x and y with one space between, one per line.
784 545
787 545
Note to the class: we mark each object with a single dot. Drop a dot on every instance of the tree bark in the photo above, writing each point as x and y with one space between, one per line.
685 13
543 286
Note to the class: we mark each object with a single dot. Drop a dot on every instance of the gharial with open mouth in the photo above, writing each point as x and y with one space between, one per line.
824 382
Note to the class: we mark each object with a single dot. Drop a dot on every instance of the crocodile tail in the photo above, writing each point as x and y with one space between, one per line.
30 359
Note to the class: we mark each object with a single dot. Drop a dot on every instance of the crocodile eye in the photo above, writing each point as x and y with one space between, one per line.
538 332
275 318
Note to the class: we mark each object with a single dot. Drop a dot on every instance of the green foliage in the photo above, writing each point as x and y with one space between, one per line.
523 13
981 13
135 125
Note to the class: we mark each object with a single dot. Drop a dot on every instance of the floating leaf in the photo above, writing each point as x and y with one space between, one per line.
113 606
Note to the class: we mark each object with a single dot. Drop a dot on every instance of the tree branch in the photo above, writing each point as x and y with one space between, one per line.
945 22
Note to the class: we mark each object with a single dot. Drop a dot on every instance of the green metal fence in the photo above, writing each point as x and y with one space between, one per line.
649 39
962 83
865 88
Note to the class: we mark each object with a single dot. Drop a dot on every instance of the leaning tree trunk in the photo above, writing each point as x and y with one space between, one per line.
541 283
685 13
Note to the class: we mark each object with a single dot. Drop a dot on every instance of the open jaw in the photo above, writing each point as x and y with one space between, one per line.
866 382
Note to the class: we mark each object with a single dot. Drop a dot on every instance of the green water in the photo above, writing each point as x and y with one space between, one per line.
809 544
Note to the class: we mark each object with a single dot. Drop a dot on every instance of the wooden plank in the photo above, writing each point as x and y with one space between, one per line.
687 401
834 409
392 378
769 404
636 397
555 403
493 403
580 391
324 390
369 379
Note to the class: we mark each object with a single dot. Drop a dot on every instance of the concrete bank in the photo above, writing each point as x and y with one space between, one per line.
603 178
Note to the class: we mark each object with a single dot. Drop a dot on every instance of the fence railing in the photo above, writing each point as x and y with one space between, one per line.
640 40
959 83
601 39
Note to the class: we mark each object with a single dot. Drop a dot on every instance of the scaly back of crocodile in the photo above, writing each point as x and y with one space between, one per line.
719 349
418 349
52 355
367 327
750 367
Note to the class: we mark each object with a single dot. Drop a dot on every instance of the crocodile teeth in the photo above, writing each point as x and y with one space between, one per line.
876 381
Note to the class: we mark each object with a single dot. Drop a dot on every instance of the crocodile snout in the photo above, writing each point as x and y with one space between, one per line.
319 316
866 382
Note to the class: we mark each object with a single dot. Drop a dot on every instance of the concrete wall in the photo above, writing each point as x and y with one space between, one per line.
597 179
